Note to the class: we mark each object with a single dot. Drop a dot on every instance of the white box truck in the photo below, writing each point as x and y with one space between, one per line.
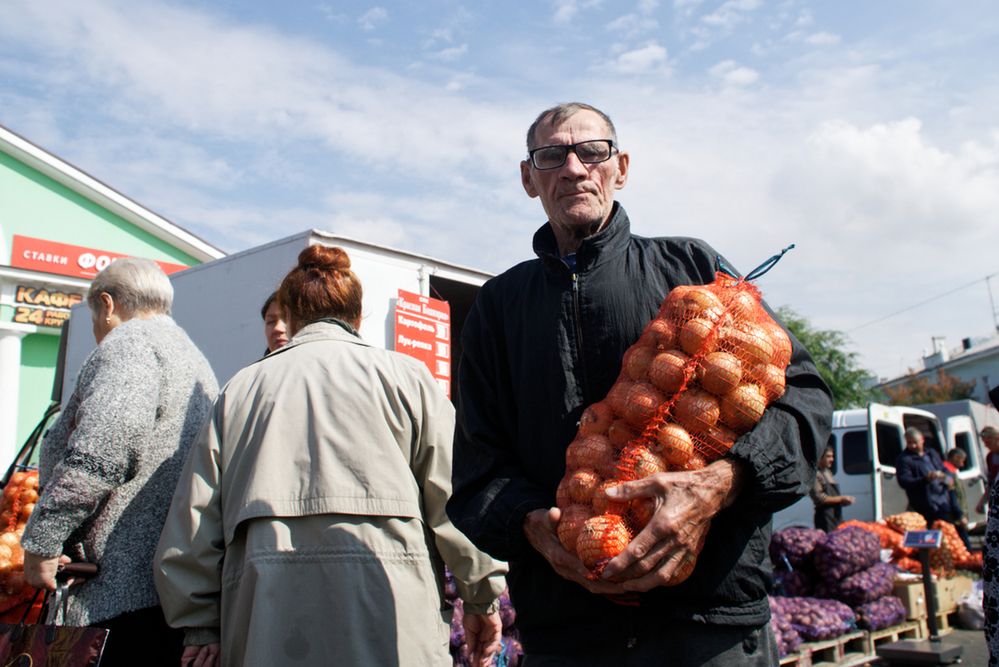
868 440
218 303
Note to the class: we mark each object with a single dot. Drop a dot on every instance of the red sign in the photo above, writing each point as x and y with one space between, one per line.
423 331
67 260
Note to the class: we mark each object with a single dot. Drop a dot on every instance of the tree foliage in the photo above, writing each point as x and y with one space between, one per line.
839 368
918 389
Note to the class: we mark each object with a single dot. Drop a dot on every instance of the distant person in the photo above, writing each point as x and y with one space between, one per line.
825 494
109 465
956 458
990 436
990 569
275 329
921 473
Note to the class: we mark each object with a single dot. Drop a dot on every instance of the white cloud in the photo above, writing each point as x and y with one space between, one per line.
823 38
372 18
648 58
451 54
732 74
630 25
566 10
731 13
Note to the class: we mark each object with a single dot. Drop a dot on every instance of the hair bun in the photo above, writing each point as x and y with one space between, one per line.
323 258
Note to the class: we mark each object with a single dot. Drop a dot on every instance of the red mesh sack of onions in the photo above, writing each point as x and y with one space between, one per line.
793 546
701 374
867 585
845 551
18 501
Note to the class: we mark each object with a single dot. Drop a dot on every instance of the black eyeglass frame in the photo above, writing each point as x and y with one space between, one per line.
572 147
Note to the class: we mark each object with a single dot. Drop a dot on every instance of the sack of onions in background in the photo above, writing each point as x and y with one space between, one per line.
510 654
702 374
19 496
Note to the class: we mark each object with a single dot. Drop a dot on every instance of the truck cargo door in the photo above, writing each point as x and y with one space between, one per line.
960 433
854 476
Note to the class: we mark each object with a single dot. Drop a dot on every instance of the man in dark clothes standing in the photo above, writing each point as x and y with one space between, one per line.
543 341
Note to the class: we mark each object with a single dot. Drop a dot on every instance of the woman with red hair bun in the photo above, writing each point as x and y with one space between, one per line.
308 525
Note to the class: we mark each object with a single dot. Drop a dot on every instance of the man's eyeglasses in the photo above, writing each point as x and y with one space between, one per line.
588 152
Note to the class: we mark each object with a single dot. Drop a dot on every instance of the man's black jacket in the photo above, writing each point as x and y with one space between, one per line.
539 345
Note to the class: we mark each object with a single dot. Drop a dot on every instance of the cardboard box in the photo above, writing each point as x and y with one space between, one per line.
950 591
912 594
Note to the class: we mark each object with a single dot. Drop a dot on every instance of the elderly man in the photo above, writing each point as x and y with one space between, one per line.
543 341
921 473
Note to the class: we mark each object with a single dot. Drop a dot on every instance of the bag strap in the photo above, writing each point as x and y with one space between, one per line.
28 448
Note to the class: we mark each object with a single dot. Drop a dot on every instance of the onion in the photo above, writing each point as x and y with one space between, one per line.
27 510
617 397
6 553
771 378
601 538
572 520
562 498
596 419
636 361
642 402
690 302
660 335
10 539
720 372
602 503
717 440
675 444
29 496
749 342
594 452
695 462
696 410
742 407
695 336
741 303
638 462
666 371
781 341
582 483
620 433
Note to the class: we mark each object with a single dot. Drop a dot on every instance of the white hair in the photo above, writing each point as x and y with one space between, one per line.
136 285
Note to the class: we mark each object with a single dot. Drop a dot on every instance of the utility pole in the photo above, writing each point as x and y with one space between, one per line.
992 303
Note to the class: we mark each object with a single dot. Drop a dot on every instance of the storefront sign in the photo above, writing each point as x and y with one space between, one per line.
423 331
67 260
42 306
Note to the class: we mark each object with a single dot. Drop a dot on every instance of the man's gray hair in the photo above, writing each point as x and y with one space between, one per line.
912 433
561 112
990 432
136 285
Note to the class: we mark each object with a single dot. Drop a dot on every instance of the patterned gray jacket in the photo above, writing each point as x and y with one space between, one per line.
109 465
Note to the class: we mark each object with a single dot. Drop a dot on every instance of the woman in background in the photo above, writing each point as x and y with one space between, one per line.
308 527
275 329
825 494
109 466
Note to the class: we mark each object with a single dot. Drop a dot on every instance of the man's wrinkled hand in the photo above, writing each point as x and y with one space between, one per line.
540 526
665 552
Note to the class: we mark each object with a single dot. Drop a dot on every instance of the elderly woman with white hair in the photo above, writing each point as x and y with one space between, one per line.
109 465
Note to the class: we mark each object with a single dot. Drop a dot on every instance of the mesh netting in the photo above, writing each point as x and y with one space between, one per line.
18 501
701 374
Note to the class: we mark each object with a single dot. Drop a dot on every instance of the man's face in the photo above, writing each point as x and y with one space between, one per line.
577 197
915 444
827 460
992 443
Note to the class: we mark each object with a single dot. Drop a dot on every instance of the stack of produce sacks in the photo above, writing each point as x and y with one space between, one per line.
952 554
509 656
815 619
18 501
845 567
788 639
702 374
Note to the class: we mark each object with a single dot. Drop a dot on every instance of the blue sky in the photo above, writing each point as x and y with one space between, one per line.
865 132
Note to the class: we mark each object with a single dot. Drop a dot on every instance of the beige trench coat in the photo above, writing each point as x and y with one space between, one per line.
308 527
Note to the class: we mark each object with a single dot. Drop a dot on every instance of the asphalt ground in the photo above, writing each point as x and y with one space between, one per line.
975 651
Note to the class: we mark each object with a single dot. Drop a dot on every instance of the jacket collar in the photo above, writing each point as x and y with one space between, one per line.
601 246
318 331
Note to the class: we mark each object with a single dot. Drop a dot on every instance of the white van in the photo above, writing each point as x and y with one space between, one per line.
867 442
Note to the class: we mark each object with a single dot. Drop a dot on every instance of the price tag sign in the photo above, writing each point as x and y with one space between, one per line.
922 539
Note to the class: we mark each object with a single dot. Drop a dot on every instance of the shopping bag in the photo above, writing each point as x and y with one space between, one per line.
49 644
23 645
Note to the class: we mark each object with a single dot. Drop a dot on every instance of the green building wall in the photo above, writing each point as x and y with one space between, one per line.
33 204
